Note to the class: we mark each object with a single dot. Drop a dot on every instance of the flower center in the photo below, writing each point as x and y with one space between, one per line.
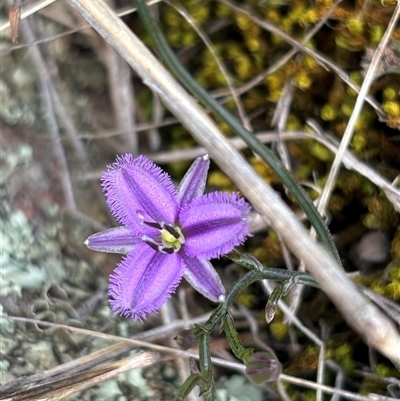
172 237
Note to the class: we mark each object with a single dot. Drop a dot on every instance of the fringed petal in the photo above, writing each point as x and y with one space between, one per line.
193 183
214 224
201 275
143 281
115 240
137 190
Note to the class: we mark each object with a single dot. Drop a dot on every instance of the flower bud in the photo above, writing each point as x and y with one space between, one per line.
186 339
262 367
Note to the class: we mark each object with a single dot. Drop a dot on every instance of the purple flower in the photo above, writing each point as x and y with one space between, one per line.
166 233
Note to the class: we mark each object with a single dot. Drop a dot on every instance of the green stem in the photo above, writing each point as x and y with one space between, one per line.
266 273
207 382
270 273
202 95
189 384
234 341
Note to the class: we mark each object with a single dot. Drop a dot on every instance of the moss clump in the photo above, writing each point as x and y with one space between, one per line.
221 181
381 214
395 249
388 284
278 329
270 251
341 353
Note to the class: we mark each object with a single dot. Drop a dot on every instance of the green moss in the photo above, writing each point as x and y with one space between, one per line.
355 25
321 152
372 384
265 171
303 80
309 395
349 182
395 249
386 370
359 141
368 188
390 93
328 112
387 3
247 299
220 180
223 11
376 32
381 214
347 108
269 252
392 108
341 353
384 282
278 329
392 290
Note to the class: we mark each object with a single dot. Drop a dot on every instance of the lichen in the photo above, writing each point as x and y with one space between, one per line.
17 272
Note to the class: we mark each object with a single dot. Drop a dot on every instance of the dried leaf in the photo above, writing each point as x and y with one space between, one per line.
14 16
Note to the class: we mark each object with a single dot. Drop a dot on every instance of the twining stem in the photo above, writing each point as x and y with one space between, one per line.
257 272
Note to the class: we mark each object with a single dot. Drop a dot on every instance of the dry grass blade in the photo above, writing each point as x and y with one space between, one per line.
50 388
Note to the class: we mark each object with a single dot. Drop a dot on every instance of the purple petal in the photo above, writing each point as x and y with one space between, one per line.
193 183
115 240
202 276
214 224
137 189
143 281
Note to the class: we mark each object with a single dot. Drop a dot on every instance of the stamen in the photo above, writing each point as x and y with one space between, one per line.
149 223
157 247
153 224
152 243
170 251
172 231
